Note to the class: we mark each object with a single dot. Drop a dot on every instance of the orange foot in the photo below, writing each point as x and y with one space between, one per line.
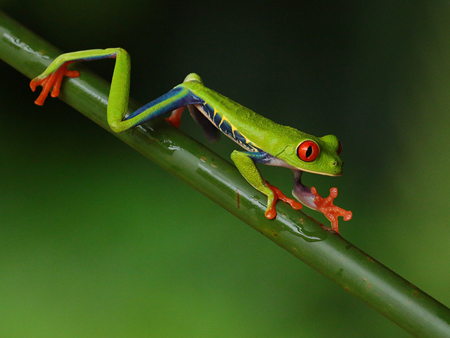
53 80
175 117
271 212
332 212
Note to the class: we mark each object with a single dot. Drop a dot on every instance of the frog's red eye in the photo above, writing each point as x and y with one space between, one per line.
308 151
340 148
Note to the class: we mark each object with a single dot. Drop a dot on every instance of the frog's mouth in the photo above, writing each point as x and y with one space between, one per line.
302 192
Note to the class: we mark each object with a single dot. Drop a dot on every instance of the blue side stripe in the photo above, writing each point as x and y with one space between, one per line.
97 57
259 157
225 128
189 98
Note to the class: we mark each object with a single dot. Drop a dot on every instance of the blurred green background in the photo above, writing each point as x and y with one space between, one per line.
97 241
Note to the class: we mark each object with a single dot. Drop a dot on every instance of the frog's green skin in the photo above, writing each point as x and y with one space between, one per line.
265 141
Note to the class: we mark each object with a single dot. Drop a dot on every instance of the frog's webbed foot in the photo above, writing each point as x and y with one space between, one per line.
326 206
53 80
312 199
278 195
175 118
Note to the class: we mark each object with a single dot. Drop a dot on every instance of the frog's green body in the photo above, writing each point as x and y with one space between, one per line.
265 141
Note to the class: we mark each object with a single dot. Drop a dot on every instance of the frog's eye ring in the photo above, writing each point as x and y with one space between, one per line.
340 148
308 151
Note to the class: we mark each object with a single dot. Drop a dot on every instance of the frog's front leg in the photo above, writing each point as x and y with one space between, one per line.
245 162
311 198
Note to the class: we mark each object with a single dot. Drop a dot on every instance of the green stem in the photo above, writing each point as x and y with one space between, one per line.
216 178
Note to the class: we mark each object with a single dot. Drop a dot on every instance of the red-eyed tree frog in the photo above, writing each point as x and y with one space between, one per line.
265 141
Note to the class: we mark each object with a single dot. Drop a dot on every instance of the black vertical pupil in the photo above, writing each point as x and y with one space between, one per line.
309 152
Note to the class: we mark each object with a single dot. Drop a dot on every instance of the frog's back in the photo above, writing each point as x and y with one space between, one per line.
247 128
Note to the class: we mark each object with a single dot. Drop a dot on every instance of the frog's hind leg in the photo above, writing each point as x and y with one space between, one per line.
173 101
178 97
53 75
211 132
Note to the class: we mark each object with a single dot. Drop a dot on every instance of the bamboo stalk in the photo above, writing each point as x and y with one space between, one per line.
216 178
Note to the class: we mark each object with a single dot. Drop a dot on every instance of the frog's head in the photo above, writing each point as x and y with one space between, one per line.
319 155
